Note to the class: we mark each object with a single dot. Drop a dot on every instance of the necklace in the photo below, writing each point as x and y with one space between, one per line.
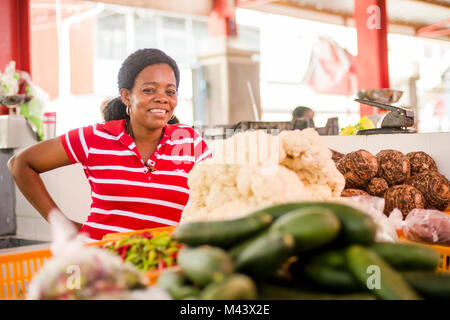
130 133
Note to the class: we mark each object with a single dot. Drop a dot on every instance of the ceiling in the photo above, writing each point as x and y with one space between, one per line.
405 16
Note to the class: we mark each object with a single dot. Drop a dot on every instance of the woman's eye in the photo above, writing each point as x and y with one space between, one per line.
171 92
149 90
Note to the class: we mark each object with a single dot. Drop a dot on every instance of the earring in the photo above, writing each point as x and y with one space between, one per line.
128 110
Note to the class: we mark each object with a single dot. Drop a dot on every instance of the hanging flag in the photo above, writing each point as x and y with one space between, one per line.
332 69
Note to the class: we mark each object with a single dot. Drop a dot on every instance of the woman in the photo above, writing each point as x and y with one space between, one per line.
137 167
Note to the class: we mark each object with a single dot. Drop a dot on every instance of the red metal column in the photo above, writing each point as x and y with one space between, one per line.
222 20
15 34
372 60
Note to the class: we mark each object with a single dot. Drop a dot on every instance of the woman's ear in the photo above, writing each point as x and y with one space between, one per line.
125 96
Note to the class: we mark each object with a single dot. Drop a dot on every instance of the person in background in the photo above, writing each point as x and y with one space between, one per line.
112 109
302 113
137 166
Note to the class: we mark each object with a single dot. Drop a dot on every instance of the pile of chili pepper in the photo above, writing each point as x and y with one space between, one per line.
147 251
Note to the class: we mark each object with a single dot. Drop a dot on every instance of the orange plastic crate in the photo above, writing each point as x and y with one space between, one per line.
17 270
443 250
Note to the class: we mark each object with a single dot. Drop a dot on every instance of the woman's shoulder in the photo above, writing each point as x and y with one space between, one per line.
182 129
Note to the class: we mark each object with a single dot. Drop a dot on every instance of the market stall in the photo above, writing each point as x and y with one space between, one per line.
269 224
290 211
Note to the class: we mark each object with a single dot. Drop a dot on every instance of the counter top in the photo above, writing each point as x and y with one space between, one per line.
32 247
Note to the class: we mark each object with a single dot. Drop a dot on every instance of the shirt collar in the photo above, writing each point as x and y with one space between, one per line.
117 128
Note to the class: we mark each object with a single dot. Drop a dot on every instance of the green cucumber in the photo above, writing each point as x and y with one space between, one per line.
175 284
406 256
392 286
311 227
203 265
357 226
269 291
234 287
279 210
332 258
265 254
332 278
428 284
222 233
235 251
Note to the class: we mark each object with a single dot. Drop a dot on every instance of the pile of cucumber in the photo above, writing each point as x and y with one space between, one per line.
304 250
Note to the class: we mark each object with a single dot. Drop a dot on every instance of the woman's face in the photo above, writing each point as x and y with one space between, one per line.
153 98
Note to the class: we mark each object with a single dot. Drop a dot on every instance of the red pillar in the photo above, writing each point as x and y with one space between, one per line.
15 34
222 19
372 60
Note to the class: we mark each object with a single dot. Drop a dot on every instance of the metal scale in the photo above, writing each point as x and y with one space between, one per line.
15 130
398 120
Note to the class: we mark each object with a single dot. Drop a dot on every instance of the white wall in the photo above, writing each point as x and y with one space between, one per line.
70 190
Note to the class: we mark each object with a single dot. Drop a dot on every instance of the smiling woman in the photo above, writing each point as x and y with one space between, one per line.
137 166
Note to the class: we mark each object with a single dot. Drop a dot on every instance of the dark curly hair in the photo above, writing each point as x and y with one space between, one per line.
300 111
115 110
133 64
141 59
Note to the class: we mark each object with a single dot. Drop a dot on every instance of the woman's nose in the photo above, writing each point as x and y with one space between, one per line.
161 98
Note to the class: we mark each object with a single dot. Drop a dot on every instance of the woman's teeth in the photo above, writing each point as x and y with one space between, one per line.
158 110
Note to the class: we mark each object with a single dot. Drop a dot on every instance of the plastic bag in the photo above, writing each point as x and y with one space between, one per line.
373 206
430 226
34 109
9 80
86 272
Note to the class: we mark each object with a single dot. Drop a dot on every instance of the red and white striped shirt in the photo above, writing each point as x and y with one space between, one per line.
126 195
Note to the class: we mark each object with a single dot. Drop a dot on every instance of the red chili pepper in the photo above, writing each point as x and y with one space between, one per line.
124 247
147 235
174 255
124 253
179 245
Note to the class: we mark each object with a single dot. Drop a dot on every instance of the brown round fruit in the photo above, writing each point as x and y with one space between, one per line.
393 166
421 162
434 186
377 187
357 167
353 193
403 197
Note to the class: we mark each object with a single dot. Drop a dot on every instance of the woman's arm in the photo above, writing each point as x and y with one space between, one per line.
26 166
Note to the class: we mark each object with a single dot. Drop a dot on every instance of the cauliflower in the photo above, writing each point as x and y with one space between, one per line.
253 169
222 201
308 155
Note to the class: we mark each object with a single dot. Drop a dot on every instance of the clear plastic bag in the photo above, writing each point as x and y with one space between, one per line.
374 206
82 272
422 225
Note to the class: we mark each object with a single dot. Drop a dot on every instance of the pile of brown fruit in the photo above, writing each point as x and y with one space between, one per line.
405 181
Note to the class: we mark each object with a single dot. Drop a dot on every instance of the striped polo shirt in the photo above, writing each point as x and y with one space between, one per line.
127 194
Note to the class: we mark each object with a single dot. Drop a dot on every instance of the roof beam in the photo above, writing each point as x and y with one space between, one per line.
439 3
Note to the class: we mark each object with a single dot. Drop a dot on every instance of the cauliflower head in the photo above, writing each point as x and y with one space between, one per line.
253 169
